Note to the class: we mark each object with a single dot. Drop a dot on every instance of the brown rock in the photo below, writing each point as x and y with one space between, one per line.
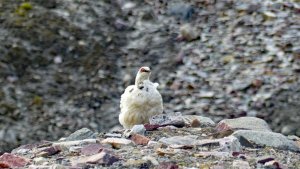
195 123
91 149
151 127
139 139
163 151
8 160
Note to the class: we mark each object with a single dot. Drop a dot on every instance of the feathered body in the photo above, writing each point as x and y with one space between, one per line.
140 101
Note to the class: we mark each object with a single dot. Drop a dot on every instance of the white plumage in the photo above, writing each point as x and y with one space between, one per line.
140 101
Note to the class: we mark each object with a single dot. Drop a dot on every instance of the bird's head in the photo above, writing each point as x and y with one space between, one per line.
143 74
144 69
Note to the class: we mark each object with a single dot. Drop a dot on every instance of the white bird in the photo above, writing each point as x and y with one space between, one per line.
140 101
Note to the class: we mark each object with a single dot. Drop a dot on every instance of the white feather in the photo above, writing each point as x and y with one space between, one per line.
138 105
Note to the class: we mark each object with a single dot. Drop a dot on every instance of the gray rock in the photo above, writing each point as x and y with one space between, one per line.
250 138
182 11
230 144
179 140
138 129
69 144
170 119
248 123
81 134
204 121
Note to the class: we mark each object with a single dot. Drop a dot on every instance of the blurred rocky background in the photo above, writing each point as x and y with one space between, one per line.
64 64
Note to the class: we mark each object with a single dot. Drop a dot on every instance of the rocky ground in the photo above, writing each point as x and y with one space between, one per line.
169 141
64 64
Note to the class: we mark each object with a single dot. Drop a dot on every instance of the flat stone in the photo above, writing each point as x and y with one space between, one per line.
179 140
81 134
75 149
24 149
104 157
68 144
139 139
117 135
92 149
8 160
48 151
246 123
226 144
250 138
204 121
117 142
174 119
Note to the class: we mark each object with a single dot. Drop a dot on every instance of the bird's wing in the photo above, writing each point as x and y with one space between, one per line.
125 95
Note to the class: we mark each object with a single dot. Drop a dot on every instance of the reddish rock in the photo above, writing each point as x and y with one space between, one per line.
151 127
92 149
139 139
8 160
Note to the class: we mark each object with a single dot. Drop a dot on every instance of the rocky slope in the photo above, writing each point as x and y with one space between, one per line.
64 64
169 141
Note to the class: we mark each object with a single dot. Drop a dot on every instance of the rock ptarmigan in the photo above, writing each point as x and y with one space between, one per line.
140 101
